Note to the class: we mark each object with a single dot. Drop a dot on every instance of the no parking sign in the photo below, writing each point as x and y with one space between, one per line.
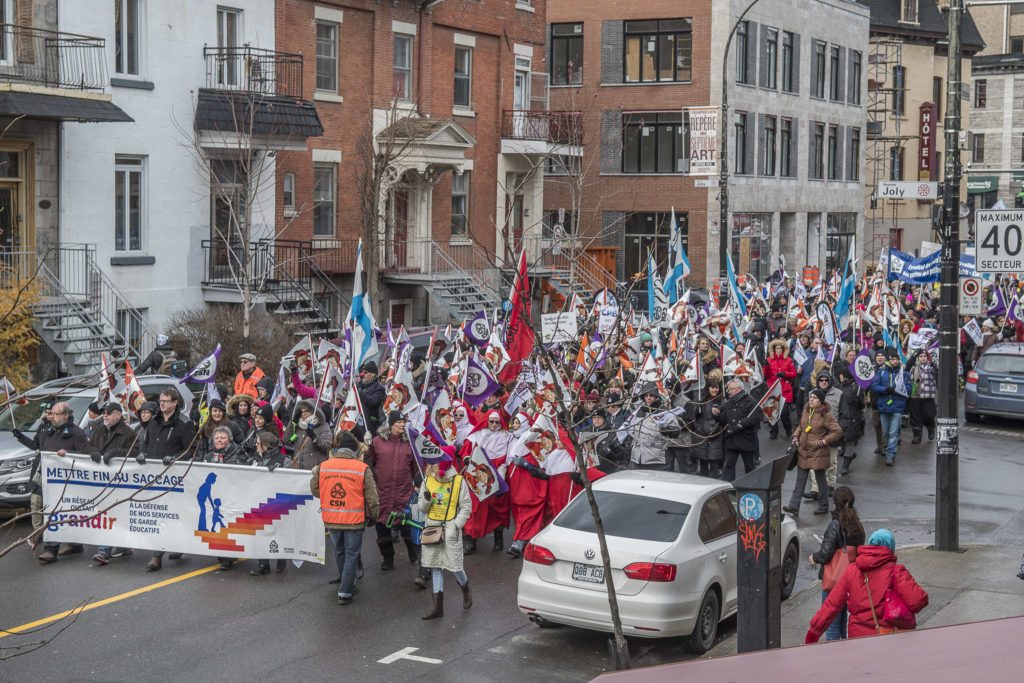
971 296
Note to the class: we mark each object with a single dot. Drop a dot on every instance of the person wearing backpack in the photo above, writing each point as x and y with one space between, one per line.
160 360
838 548
881 595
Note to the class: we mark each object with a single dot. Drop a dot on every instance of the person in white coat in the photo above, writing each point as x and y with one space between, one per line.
444 499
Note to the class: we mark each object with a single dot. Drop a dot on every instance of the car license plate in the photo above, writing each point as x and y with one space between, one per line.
587 572
1007 388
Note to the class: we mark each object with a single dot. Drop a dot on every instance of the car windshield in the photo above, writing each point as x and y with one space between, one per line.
1002 364
27 415
627 516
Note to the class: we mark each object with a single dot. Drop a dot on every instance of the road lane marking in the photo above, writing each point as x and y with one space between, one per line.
406 653
107 601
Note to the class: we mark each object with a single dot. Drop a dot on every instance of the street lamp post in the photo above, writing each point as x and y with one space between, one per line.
947 449
723 155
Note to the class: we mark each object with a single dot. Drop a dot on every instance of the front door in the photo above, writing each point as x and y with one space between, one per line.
400 239
10 223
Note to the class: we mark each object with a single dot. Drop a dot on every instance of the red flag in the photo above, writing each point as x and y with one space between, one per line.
518 333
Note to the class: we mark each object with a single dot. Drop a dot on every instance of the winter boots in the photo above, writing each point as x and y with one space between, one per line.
467 597
499 539
437 611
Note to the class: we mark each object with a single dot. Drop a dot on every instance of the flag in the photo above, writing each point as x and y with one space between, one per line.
772 403
1014 312
478 329
973 330
111 387
205 372
496 354
477 383
799 355
887 338
734 288
351 414
657 301
424 450
695 373
518 333
441 421
326 348
998 306
844 299
402 394
863 369
519 395
133 397
827 319
678 266
482 476
900 385
280 389
360 317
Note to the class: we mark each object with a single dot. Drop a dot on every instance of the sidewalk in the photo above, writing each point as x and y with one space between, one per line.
975 585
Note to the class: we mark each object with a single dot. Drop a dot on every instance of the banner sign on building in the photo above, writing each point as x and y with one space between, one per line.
194 508
926 143
703 127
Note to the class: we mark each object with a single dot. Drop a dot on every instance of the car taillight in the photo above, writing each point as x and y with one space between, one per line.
538 554
972 377
650 571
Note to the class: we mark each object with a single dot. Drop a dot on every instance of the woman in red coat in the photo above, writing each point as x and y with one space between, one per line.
781 367
877 562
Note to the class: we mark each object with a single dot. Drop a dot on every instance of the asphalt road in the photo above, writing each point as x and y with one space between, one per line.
229 626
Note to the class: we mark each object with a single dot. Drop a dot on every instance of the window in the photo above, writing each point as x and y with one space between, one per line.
562 164
648 232
895 163
908 11
1017 42
835 85
742 49
788 62
654 143
853 163
460 203
229 66
126 36
771 58
980 93
1016 9
834 173
978 148
741 143
785 146
856 66
937 96
129 211
818 87
129 325
717 519
462 90
768 146
642 518
325 199
899 80
402 67
288 192
657 51
327 56
567 54
557 224
817 171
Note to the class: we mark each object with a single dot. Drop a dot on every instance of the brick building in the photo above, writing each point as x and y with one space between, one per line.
432 88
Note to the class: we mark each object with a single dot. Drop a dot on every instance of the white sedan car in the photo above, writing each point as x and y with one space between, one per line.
672 542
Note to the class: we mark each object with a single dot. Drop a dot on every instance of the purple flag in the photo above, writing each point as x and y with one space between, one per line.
477 384
205 371
482 476
478 329
424 450
999 307
1014 312
863 369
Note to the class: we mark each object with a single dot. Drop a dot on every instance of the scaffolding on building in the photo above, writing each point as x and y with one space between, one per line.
885 142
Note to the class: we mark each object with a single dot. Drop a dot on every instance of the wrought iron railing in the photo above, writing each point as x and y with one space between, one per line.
52 59
569 259
254 70
559 127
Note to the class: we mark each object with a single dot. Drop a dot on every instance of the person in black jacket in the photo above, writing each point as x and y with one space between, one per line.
851 419
845 530
612 454
113 438
169 437
61 436
155 360
371 395
741 417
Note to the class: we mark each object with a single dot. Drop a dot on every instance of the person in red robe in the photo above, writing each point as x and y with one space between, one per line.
528 492
490 515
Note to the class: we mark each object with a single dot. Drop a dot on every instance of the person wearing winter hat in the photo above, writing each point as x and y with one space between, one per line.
891 389
248 375
371 395
395 471
444 499
818 429
314 436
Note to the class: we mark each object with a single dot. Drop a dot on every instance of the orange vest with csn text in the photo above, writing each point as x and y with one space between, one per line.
341 491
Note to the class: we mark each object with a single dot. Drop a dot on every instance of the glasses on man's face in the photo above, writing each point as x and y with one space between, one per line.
167 400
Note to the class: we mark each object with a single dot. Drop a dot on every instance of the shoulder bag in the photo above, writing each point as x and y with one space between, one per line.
837 566
895 612
434 535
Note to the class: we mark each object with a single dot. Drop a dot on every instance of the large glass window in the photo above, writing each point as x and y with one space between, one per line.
751 243
657 50
402 67
788 63
818 87
654 143
895 163
567 54
834 172
899 80
627 515
326 56
840 230
786 166
462 89
978 148
229 28
855 76
771 57
853 163
126 36
460 203
980 93
908 11
742 51
649 231
740 166
768 146
325 199
817 150
128 203
835 83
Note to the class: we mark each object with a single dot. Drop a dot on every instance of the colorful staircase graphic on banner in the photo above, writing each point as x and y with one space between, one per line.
255 520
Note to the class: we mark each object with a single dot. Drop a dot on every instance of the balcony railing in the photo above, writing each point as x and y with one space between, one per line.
254 70
559 127
51 59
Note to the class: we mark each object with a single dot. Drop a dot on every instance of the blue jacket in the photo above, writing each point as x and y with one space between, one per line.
883 389
804 371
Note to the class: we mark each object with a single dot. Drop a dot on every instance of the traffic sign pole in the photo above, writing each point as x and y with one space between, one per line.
947 448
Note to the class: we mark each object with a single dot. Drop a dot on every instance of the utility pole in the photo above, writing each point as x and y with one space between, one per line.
947 448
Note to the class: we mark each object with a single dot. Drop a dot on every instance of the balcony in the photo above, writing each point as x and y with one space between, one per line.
254 70
56 76
541 132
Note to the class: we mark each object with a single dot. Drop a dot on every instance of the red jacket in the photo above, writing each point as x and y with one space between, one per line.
787 367
394 471
878 563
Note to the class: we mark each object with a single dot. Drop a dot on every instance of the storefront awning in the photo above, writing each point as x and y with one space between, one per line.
33 105
980 184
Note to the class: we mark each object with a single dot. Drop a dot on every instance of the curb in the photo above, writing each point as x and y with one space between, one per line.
727 646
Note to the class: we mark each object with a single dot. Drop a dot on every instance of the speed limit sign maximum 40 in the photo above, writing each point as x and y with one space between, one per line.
999 241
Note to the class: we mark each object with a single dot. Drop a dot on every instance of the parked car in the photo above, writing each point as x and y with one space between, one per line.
672 544
996 384
25 415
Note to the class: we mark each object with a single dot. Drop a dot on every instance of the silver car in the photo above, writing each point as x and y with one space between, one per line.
25 415
672 542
